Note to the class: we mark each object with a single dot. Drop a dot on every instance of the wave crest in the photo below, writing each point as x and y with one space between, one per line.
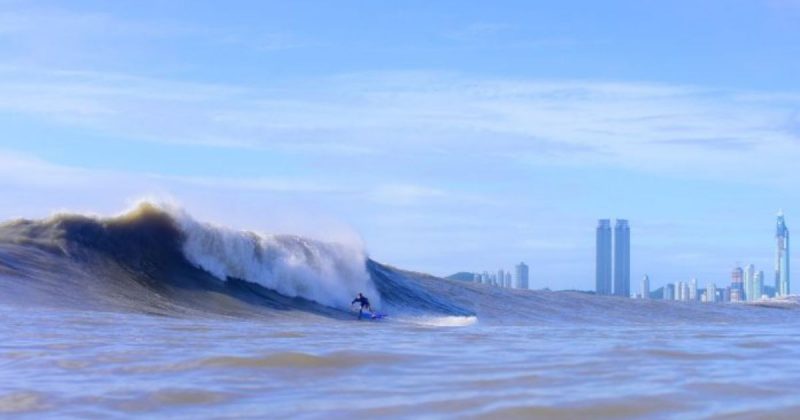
326 273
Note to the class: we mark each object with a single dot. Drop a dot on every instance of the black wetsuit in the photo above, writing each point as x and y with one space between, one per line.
364 305
363 301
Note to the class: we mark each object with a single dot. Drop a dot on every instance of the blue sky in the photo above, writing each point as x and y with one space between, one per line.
442 136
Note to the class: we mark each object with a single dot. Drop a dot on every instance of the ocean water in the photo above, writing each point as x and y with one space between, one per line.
140 316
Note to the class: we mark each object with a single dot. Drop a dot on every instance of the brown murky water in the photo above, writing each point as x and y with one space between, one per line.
63 363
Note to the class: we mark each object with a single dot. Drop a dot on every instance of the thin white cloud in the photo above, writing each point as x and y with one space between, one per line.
29 25
49 36
19 169
637 125
24 170
278 185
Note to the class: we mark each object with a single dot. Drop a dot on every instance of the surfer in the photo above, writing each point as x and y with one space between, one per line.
364 302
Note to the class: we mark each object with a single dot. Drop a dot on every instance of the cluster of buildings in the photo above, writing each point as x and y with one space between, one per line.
687 292
747 285
504 278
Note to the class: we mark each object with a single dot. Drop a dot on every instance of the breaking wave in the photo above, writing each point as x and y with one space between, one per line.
161 260
326 273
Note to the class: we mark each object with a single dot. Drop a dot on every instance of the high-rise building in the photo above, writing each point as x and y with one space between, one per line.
508 279
645 287
679 291
749 276
603 258
711 293
758 286
622 258
782 258
669 292
501 278
736 282
685 292
522 276
693 290
736 295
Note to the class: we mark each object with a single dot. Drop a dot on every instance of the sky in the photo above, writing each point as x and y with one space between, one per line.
442 136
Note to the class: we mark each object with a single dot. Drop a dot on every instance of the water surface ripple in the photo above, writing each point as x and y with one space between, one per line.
89 364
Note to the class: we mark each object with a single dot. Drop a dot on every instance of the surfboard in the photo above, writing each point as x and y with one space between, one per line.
375 316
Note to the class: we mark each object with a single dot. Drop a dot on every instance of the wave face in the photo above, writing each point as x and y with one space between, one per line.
162 261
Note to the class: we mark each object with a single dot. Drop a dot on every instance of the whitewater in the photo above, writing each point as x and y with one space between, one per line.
155 314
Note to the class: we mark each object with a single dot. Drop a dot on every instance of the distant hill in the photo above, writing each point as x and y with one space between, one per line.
462 276
657 294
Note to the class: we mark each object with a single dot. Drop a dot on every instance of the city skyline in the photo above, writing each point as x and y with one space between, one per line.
745 284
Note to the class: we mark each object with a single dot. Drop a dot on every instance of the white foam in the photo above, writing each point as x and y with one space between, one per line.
443 321
327 273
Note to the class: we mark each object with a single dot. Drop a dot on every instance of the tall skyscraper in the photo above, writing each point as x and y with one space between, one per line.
508 279
522 276
501 278
693 290
782 258
603 258
736 281
679 291
736 295
645 287
749 276
758 286
622 258
711 293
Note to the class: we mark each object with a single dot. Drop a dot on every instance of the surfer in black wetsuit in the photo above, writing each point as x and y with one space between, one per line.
364 302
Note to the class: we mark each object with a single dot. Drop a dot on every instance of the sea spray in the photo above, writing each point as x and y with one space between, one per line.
327 273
